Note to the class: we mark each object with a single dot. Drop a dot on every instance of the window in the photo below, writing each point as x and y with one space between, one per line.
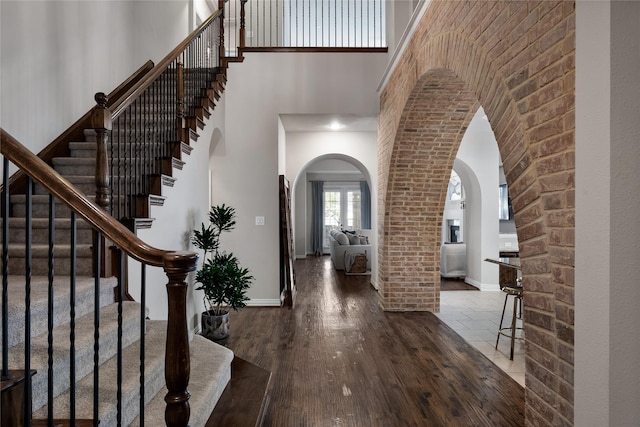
505 210
454 190
341 207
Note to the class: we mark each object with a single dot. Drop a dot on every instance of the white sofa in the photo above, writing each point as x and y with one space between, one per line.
453 260
340 246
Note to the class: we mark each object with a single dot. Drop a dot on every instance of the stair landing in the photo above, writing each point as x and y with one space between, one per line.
245 398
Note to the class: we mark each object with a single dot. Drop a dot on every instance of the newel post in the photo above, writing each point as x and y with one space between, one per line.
101 123
177 363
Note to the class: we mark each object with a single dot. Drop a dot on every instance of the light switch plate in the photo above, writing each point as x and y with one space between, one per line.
259 220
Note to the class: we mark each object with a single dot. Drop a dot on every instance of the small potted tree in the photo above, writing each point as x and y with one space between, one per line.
221 278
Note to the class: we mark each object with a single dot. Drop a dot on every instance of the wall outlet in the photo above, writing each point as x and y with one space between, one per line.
259 220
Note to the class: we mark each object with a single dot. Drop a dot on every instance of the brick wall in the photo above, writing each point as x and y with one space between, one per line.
516 59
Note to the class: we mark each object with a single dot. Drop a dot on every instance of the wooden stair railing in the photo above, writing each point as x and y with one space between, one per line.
176 264
153 116
60 146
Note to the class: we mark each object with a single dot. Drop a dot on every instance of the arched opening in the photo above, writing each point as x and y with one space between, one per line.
343 179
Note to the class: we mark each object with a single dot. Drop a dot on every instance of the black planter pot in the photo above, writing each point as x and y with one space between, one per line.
215 327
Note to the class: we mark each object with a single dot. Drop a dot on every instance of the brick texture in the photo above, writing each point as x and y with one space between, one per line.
516 60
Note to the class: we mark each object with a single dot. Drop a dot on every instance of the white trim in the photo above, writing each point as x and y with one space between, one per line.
195 331
491 287
268 302
418 13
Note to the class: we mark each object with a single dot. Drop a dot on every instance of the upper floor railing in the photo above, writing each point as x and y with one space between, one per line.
305 24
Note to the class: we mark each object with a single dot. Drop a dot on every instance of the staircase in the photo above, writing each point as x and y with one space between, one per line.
93 356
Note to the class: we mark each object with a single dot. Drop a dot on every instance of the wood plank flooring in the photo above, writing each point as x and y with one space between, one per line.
338 360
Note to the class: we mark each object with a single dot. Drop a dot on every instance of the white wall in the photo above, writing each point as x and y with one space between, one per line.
258 90
477 164
186 207
55 55
159 26
303 148
607 348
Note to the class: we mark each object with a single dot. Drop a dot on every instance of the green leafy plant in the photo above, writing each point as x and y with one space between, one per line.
221 278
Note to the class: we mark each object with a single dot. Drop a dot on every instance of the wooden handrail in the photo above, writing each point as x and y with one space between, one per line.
57 185
59 147
175 264
137 90
116 96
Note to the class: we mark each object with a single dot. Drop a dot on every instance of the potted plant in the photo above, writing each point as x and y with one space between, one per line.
221 278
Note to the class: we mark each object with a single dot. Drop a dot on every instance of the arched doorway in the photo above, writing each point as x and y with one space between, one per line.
454 63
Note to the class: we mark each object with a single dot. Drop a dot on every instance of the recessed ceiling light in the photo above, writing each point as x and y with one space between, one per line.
335 125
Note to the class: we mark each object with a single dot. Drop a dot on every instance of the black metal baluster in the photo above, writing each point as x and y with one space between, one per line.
50 273
144 118
112 181
27 301
72 323
127 162
143 320
137 116
5 269
97 256
120 291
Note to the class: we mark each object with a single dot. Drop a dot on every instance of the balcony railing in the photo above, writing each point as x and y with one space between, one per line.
306 24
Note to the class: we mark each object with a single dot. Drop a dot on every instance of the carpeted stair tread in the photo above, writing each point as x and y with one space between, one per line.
210 373
39 305
154 381
84 352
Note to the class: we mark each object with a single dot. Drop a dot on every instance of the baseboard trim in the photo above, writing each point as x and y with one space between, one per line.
257 302
482 286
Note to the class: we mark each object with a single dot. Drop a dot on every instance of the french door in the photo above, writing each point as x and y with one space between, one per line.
341 208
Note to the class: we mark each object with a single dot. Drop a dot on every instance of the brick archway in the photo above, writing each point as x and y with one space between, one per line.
516 59
434 120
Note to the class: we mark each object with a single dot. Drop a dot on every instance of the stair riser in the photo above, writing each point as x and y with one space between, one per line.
81 185
82 153
39 266
40 210
61 236
77 170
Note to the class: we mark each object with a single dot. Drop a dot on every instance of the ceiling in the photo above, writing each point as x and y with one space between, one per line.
322 122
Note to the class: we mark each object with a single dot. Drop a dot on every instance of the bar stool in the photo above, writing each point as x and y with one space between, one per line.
510 331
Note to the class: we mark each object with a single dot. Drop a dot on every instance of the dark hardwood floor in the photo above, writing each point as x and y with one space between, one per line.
337 359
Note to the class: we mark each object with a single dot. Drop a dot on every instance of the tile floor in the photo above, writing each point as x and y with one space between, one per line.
475 316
